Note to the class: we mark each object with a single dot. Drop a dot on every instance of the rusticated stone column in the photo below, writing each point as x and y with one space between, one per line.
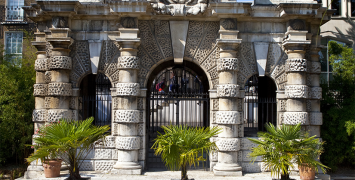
60 65
228 117
296 89
127 116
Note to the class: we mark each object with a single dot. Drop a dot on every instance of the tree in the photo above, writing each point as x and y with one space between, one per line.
183 146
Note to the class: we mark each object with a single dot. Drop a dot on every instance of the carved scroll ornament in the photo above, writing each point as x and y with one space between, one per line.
179 7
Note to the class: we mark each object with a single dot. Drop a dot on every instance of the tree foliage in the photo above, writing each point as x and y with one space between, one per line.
338 107
16 105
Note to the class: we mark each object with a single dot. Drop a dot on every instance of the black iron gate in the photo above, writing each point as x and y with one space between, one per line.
97 100
177 97
259 105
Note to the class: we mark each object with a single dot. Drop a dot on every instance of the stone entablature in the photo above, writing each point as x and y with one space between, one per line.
96 38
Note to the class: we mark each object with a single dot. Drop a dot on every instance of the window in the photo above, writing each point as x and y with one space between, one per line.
14 11
13 44
336 4
352 8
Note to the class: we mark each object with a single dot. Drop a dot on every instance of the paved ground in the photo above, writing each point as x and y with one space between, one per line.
165 175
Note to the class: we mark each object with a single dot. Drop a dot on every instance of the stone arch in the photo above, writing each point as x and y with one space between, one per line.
275 66
81 63
108 60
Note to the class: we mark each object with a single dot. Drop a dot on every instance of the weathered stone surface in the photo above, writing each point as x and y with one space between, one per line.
315 93
54 115
104 165
293 65
40 89
296 91
126 116
127 143
228 117
228 144
293 118
128 62
41 64
228 90
60 62
39 115
127 89
60 89
227 64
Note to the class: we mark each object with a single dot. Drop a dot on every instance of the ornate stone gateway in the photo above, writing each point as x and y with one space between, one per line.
177 97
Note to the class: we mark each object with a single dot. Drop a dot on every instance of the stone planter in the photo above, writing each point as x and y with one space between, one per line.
52 168
306 172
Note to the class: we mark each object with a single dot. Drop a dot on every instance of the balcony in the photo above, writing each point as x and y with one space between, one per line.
14 15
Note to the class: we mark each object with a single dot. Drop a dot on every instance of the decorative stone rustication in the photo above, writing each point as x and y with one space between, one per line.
39 115
251 167
126 116
104 165
228 117
227 64
87 165
296 65
127 143
293 118
296 91
128 62
140 102
80 55
314 67
60 62
315 93
59 89
228 24
228 90
228 144
316 118
127 89
215 103
246 144
48 76
40 89
283 104
41 64
54 115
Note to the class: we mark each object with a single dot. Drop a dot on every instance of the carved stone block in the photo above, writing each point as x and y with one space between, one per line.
282 104
75 103
246 144
103 153
228 117
104 165
215 103
213 117
40 89
296 91
127 89
296 65
126 116
140 103
127 143
228 144
60 62
54 115
114 154
60 89
316 118
141 154
128 62
41 64
39 115
48 76
314 67
293 118
315 93
240 130
141 129
228 90
110 142
227 64
87 165
214 156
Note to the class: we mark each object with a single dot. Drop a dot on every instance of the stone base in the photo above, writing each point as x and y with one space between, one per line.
323 176
227 173
126 171
30 174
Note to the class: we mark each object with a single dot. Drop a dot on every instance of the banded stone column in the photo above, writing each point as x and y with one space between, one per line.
296 89
127 116
228 117
60 65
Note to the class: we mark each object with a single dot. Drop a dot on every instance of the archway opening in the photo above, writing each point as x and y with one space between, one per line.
260 105
96 99
177 95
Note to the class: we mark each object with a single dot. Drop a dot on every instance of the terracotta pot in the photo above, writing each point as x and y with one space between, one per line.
52 168
306 172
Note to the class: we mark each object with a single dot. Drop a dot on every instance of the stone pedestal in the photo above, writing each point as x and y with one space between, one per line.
127 116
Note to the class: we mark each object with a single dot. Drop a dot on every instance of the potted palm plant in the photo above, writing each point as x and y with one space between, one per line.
70 140
281 147
183 146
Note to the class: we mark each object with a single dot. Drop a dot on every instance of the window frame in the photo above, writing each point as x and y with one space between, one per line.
19 10
16 54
